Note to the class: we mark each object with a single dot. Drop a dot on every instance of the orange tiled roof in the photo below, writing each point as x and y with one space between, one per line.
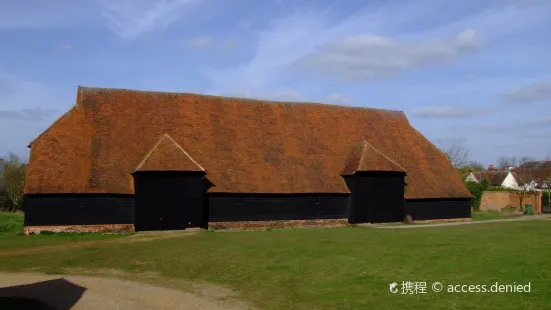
365 157
167 155
246 146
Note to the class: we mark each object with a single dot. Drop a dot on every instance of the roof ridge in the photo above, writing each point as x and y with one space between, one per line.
140 165
86 89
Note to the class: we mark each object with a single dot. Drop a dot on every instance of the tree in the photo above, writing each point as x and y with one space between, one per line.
14 181
525 159
475 166
2 193
457 151
507 161
524 180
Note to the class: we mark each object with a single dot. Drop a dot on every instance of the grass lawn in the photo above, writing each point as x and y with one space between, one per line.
338 268
492 215
12 237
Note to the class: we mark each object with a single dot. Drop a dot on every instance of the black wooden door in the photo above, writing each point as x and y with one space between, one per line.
377 197
387 205
168 201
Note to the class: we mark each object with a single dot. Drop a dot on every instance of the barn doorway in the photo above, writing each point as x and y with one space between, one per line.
170 200
376 197
387 205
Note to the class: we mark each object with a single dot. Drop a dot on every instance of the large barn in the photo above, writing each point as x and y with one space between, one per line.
140 160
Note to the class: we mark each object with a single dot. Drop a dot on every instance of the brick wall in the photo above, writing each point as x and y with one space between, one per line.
105 228
499 200
253 225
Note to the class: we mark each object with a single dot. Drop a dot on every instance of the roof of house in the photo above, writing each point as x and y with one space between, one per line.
526 175
495 178
543 164
244 145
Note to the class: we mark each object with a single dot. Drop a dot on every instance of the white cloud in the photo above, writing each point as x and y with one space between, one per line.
27 108
29 100
369 56
338 98
34 114
382 39
281 94
518 126
129 19
445 112
199 42
540 91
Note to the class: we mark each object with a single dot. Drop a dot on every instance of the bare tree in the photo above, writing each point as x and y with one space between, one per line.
507 161
525 159
475 166
457 151
14 175
524 180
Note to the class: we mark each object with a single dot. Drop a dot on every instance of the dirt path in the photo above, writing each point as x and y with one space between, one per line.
516 219
141 237
84 292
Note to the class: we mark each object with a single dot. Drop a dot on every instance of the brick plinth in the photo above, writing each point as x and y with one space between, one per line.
107 228
252 225
466 219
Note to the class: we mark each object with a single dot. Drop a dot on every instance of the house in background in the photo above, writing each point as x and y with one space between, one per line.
535 174
141 160
504 179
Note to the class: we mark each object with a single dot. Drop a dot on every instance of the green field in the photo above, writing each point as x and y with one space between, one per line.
337 268
12 237
493 215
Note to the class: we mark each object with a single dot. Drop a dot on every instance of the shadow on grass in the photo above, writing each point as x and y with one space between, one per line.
45 295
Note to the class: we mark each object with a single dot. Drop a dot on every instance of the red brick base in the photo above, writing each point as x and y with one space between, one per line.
252 225
108 228
467 219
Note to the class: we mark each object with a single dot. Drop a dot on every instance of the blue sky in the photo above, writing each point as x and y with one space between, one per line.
473 70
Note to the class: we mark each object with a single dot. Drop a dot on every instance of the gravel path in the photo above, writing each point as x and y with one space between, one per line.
83 292
515 219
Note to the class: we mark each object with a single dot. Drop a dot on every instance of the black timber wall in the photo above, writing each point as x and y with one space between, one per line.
170 200
445 208
266 207
78 209
377 197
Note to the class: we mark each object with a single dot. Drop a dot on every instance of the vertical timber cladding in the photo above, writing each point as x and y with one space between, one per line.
377 197
78 209
445 208
170 200
269 207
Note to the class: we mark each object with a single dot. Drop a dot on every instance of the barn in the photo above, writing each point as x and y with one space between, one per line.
125 160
